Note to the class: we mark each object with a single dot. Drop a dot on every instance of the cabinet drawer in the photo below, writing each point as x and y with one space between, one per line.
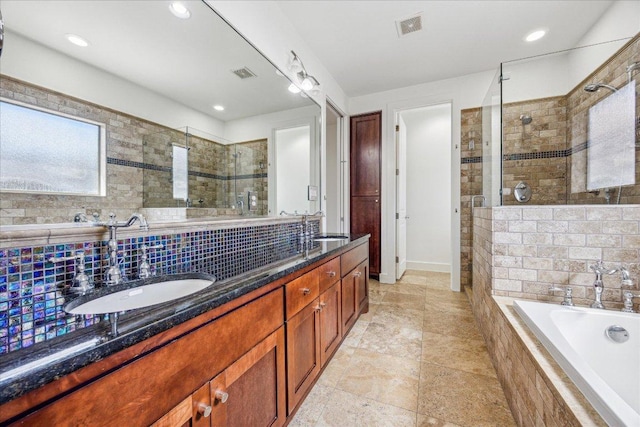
329 273
351 259
301 291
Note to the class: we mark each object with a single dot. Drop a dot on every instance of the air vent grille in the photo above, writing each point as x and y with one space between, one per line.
243 73
409 25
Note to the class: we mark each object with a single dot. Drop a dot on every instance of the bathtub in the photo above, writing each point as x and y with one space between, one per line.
606 372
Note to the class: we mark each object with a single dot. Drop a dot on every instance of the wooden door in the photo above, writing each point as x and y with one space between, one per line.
365 154
365 218
330 322
362 287
303 352
252 391
366 145
349 301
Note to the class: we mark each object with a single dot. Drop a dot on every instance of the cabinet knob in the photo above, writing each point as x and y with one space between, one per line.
357 273
323 305
204 410
317 308
306 291
221 396
331 273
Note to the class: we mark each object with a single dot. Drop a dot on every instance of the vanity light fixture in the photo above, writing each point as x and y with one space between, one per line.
179 10
77 40
306 81
218 107
535 35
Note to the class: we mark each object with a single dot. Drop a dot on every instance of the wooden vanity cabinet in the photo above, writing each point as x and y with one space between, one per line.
252 391
355 286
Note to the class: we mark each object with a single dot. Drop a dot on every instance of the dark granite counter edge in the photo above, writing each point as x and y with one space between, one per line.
163 318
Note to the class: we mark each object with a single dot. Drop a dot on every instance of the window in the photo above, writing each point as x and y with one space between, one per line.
43 151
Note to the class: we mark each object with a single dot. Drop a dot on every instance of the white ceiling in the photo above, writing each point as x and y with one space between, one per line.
358 43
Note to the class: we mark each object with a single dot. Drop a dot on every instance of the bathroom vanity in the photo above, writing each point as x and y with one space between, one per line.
245 351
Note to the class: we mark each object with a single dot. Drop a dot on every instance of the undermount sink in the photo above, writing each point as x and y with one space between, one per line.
330 238
139 297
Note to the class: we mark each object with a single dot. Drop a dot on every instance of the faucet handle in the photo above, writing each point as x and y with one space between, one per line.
568 294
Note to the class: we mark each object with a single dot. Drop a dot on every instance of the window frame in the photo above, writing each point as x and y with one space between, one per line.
102 152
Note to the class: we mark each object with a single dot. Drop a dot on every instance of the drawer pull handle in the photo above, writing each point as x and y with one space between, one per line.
221 396
306 291
331 273
204 410
357 274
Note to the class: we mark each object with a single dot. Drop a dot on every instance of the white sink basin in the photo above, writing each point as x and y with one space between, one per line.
142 296
330 238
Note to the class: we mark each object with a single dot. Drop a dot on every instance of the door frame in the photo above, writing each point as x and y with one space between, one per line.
342 165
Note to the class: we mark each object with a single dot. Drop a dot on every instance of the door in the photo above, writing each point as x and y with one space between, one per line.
362 287
401 197
330 322
303 353
251 392
365 218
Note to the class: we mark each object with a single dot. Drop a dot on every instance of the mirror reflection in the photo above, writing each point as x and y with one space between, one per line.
155 81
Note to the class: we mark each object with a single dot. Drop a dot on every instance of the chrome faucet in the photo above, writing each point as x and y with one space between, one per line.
627 291
144 271
113 275
81 283
598 285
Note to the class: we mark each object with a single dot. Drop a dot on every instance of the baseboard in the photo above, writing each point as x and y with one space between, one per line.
429 266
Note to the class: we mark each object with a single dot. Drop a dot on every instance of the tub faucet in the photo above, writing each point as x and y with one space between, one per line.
568 294
598 285
627 291
113 275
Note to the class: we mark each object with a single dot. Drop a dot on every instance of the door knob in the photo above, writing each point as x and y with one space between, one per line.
204 410
221 396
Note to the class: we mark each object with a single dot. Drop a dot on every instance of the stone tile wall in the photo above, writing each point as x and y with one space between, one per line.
520 252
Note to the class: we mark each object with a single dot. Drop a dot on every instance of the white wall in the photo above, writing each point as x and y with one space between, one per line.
428 187
259 127
78 79
462 92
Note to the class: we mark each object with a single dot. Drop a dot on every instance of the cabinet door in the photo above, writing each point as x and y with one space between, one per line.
365 218
365 155
330 322
251 392
362 287
349 300
303 352
179 416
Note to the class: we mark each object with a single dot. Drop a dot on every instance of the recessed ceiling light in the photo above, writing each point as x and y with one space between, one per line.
77 40
535 35
179 10
218 107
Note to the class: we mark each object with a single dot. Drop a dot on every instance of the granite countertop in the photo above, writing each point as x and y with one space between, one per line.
25 370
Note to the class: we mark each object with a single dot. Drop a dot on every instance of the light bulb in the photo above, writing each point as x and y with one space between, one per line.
77 40
293 88
179 10
306 84
536 35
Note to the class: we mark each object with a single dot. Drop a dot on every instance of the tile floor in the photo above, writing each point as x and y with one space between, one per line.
416 359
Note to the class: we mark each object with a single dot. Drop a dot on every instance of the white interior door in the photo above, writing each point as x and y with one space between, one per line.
401 197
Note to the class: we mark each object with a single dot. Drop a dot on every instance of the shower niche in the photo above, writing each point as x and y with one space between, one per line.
220 179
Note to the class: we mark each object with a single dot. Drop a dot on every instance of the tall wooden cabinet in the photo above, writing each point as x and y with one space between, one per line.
365 172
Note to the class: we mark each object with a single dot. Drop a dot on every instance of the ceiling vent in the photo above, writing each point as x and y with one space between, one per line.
243 73
409 25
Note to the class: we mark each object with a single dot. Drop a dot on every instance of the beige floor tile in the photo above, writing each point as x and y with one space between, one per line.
337 366
403 301
376 294
345 410
412 277
386 379
309 412
392 315
462 398
393 340
467 355
410 288
427 421
463 327
355 334
366 317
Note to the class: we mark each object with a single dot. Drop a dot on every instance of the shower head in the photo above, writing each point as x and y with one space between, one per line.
595 86
525 119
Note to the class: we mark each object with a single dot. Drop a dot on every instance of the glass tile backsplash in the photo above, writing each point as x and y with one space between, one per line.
31 297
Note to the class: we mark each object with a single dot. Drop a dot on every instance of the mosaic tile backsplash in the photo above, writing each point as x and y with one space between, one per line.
31 297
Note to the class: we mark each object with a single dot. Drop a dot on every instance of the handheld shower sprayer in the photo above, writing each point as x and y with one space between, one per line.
593 87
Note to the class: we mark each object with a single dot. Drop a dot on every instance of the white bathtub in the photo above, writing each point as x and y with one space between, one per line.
605 371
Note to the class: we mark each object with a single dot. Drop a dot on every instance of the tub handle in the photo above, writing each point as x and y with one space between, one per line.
568 294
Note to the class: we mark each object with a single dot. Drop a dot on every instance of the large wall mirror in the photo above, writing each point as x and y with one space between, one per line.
191 111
